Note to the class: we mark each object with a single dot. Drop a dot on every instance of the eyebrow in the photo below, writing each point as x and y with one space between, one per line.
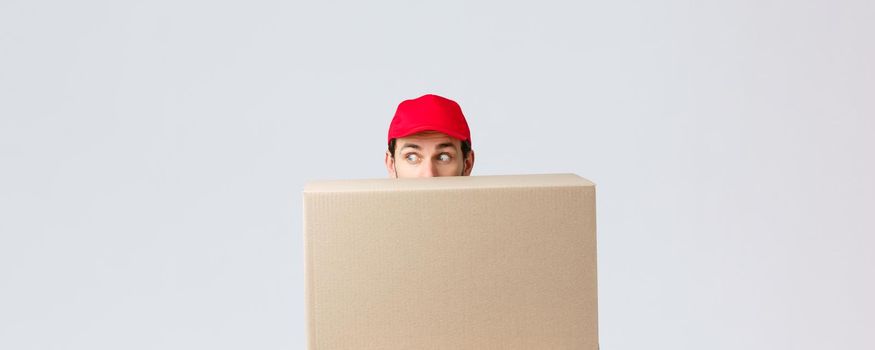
445 145
411 145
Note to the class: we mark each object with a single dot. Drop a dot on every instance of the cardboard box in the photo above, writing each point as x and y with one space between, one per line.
480 262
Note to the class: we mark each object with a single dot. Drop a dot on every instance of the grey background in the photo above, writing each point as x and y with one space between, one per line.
152 156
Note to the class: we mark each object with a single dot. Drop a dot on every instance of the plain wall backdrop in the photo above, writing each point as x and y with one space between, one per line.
152 157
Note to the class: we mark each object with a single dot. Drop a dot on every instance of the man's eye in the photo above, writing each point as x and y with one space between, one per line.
412 157
444 157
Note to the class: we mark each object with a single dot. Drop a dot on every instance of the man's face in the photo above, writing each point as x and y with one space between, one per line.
428 154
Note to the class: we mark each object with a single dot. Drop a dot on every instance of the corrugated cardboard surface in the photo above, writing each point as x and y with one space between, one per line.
481 262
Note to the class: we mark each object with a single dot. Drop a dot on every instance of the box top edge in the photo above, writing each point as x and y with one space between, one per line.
448 183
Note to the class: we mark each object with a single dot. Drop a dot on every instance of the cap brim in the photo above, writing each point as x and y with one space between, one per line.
422 128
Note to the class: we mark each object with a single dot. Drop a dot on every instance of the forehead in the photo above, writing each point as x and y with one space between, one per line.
428 139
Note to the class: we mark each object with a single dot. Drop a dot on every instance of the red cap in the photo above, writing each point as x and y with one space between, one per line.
429 113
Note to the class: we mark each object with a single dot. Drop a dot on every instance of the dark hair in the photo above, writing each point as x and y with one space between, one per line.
466 148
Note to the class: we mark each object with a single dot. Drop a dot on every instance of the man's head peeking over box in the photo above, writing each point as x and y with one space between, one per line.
429 137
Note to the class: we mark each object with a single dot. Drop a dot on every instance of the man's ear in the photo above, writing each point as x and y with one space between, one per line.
390 165
469 163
